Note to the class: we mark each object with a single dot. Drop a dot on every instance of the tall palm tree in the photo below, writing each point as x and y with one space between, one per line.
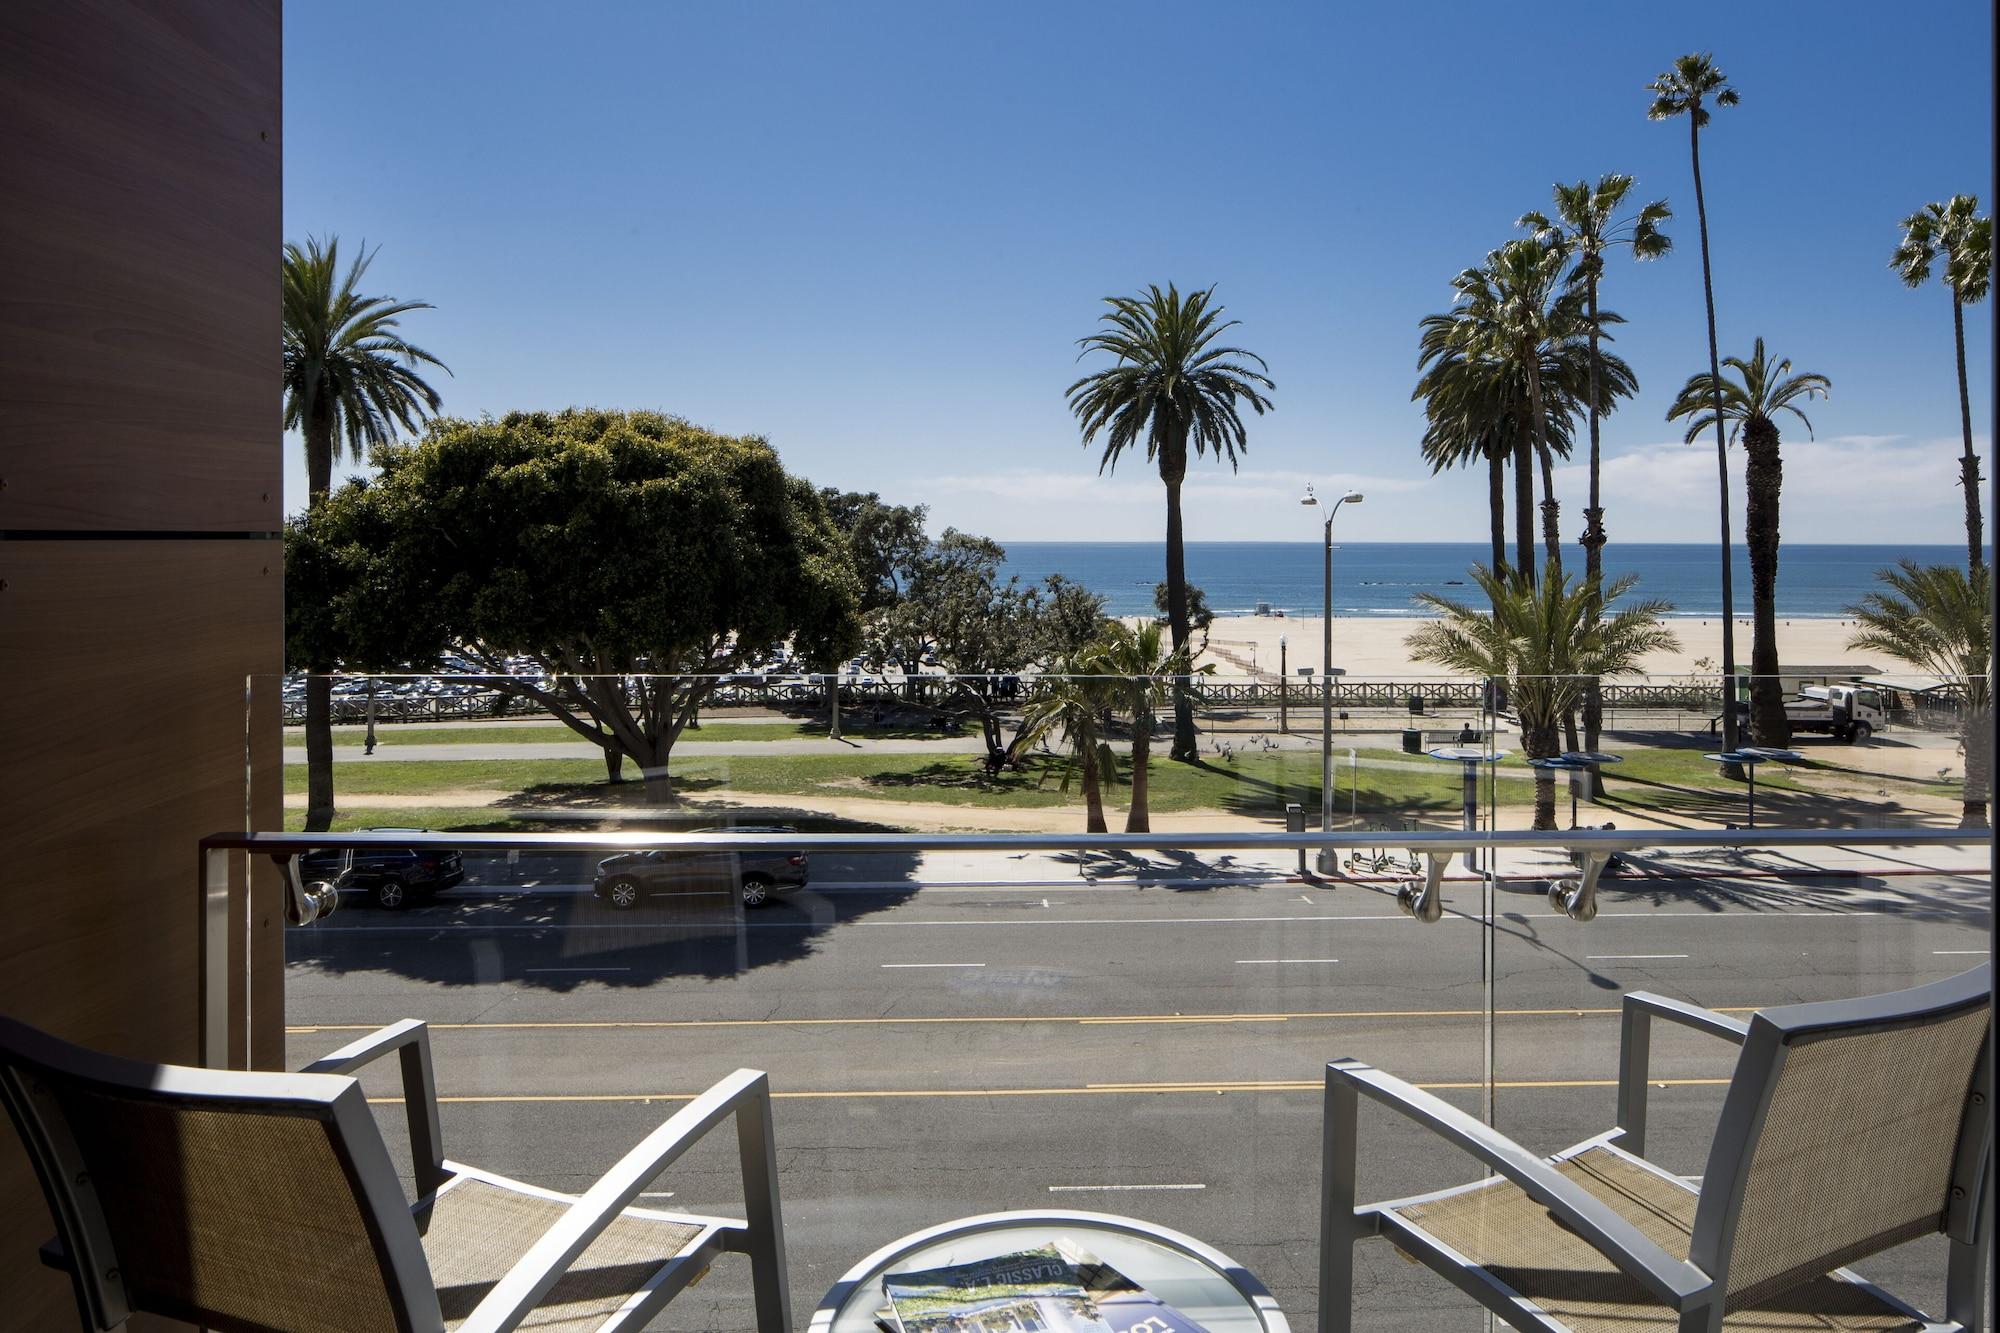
1936 618
1170 386
1749 405
1954 233
349 378
1073 701
1508 313
1586 226
1140 668
1685 90
1476 407
1545 639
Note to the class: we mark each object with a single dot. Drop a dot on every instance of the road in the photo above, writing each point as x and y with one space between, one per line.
1004 1037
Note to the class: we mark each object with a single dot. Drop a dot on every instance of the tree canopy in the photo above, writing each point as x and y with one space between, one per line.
610 547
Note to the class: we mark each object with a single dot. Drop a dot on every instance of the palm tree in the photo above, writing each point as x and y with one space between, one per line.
1508 314
349 376
1685 90
1545 639
1953 232
1476 407
1750 405
1170 387
1074 700
1139 669
1936 618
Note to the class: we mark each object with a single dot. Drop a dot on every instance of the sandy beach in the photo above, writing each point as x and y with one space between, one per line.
1372 646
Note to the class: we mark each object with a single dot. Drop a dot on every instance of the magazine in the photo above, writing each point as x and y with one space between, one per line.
1055 1288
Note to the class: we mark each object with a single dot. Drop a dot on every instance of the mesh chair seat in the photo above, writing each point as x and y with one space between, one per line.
1496 1226
476 1227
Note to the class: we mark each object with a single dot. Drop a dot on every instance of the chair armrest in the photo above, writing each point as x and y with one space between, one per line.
1635 1053
411 1040
515 1296
1668 1279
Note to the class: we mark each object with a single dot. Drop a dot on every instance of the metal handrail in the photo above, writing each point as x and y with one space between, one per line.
1590 848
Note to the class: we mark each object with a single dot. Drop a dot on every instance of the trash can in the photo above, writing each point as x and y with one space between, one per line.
1417 704
1413 741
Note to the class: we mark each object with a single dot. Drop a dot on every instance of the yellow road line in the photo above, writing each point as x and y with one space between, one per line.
1082 1019
1088 1090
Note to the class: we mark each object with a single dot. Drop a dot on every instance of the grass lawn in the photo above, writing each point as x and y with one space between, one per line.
549 733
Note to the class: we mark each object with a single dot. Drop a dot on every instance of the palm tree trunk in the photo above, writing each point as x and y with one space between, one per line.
1538 740
1496 505
1730 738
1524 507
319 687
1139 818
1173 467
1763 475
1551 508
1593 555
1968 465
1976 735
1093 793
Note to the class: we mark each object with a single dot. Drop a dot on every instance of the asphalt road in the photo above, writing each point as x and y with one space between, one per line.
1003 1041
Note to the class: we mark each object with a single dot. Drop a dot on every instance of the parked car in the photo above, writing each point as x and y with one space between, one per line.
624 880
390 876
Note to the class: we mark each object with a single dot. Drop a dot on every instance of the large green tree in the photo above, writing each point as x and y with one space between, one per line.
1170 387
1954 240
1547 640
1686 89
1749 405
1939 620
1586 226
883 539
350 379
632 556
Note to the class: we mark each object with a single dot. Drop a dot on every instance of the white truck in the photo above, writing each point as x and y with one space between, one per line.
1851 713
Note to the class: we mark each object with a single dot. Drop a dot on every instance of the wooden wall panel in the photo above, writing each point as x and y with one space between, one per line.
139 252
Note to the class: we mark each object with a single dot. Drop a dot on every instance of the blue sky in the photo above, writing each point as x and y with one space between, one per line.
873 232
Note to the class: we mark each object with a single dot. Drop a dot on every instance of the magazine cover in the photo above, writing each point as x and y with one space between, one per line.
1122 1304
1031 1291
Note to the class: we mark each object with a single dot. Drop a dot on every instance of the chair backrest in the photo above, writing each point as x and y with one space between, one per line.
237 1200
1849 1127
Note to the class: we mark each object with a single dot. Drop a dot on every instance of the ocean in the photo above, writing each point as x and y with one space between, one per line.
1383 578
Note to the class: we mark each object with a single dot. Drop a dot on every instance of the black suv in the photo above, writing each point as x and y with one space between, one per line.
390 876
756 874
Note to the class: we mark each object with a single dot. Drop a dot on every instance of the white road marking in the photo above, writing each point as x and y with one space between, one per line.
658 1194
1288 960
933 965
1631 957
1976 953
576 969
1092 1189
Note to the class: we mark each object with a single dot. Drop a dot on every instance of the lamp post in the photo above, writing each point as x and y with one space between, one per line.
1326 857
1284 685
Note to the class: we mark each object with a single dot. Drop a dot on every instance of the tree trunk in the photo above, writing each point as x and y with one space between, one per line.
614 764
1968 465
1976 735
1538 741
1139 819
1551 507
660 787
319 689
1763 475
1496 505
833 707
1524 507
1593 555
1093 793
1730 730
1173 467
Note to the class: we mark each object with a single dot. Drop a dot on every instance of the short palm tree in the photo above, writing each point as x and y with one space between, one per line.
1953 235
1546 640
1749 406
1509 312
1170 387
349 377
1936 618
1139 669
1072 702
1686 89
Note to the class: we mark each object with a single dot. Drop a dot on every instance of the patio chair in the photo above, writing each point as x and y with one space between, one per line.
1849 1127
251 1201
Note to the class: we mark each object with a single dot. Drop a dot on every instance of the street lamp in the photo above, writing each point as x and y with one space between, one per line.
1327 862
